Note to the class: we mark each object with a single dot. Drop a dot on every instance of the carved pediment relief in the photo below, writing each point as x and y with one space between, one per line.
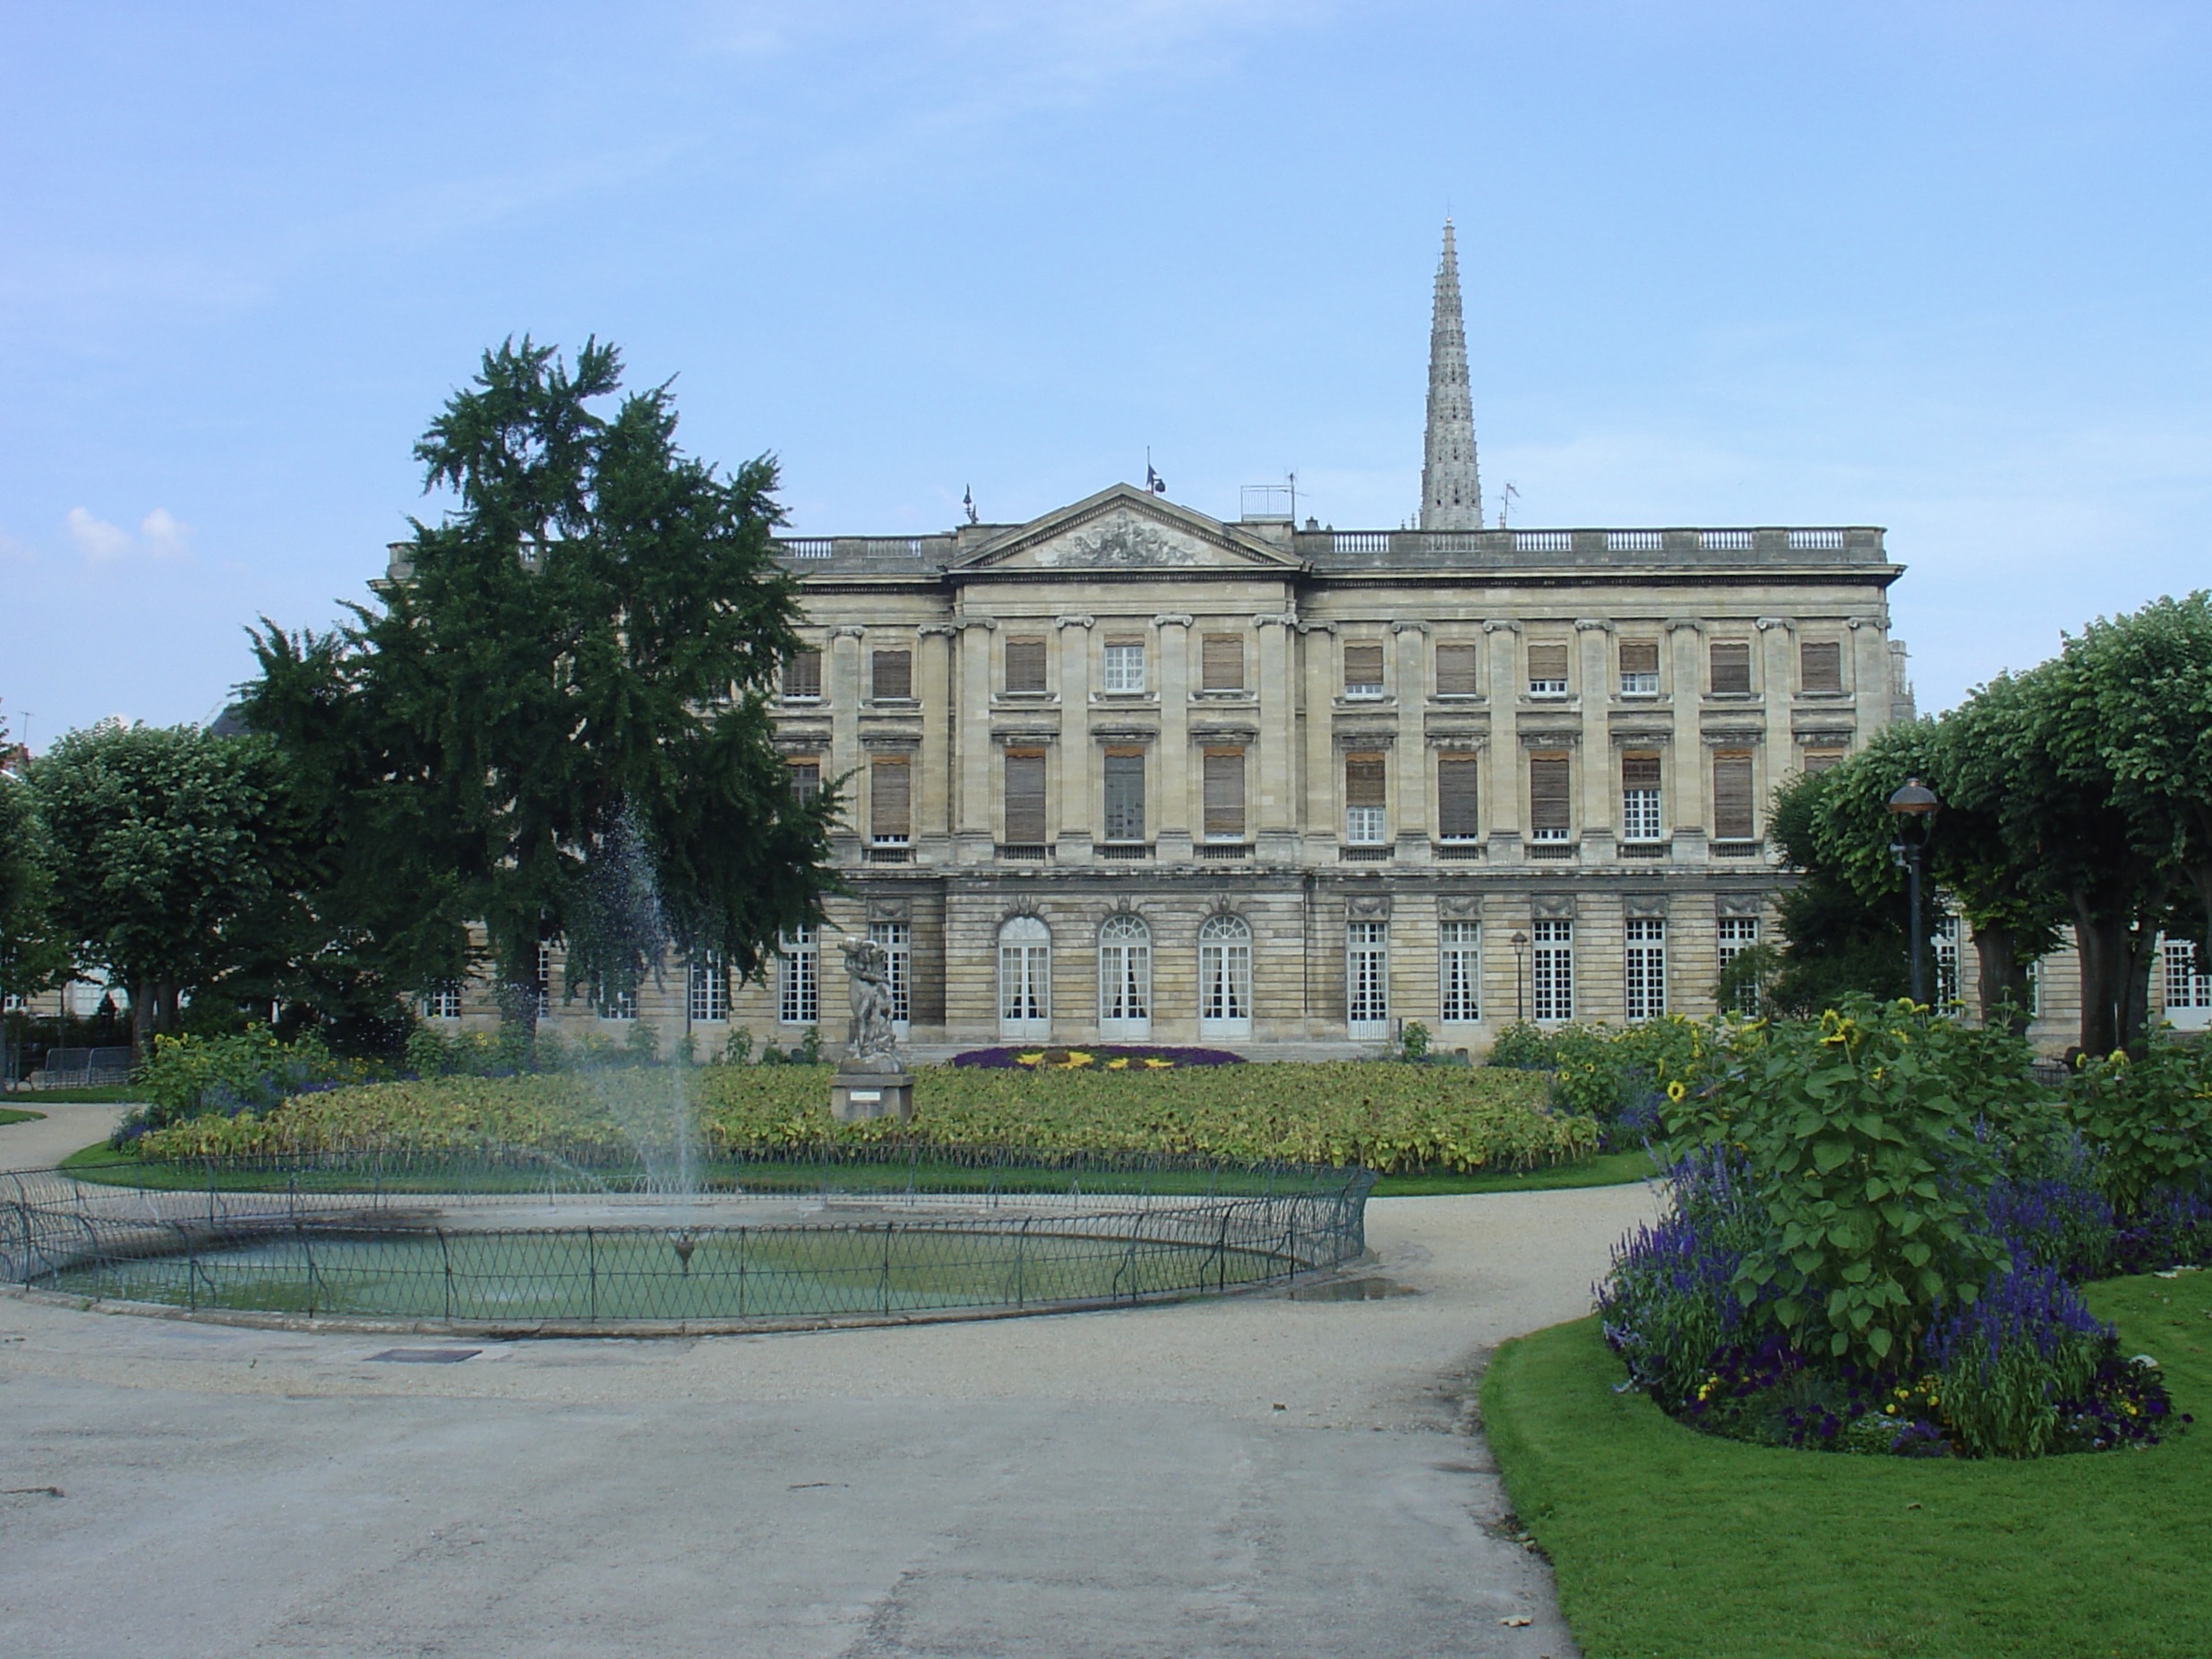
1125 529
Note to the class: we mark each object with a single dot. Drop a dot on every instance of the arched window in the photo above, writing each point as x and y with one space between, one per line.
1024 977
1124 977
1225 977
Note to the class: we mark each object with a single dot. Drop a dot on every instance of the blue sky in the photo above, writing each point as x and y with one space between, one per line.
1939 268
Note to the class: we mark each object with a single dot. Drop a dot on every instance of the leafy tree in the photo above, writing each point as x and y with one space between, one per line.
166 858
32 958
1839 943
553 725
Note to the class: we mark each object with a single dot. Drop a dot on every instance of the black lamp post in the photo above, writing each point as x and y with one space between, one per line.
1520 943
1914 803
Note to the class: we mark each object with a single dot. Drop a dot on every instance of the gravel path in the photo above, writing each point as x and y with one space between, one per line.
1259 1475
44 1142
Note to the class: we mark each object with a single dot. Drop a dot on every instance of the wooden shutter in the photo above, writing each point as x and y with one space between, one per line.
1025 666
1363 665
890 798
1640 772
1455 671
1547 793
1638 657
892 674
1821 760
1820 661
1025 805
1222 663
803 674
1731 660
1363 780
1457 800
1732 814
1224 792
1547 662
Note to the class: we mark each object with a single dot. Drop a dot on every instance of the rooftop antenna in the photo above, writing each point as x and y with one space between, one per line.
968 501
1505 502
1291 477
1153 482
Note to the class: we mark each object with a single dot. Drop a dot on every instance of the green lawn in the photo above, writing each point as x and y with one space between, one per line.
1670 1543
1607 1169
9 1115
120 1095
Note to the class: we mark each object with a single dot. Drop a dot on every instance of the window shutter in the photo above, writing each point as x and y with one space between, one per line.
1456 797
803 674
1025 666
1547 662
1455 671
1638 657
1025 805
1821 760
890 799
1821 664
1363 667
1640 772
1224 792
892 674
1222 665
1363 780
1731 660
1732 814
1547 793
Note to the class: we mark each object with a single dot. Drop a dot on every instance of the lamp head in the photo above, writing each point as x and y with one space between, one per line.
1915 799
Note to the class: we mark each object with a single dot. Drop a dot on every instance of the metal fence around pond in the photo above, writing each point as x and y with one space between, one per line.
592 1260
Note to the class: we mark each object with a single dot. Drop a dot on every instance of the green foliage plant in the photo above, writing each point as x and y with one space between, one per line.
2149 1120
249 1072
1413 1041
1858 1134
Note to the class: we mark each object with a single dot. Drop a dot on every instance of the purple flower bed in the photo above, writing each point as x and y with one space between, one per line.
1011 1058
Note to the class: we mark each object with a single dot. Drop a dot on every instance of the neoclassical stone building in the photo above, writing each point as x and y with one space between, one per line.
1130 772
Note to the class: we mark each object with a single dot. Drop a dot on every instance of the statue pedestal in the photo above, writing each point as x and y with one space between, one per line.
857 1096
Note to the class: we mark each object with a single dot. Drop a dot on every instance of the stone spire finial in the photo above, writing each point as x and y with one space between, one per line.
1451 486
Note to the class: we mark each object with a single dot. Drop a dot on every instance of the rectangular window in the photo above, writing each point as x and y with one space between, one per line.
2186 990
1547 670
617 1004
806 778
710 989
1646 968
1455 671
1367 978
1459 971
1737 934
1639 797
2035 989
1731 665
1549 819
1025 666
897 940
1222 663
1458 800
890 801
799 983
802 676
1124 667
1821 665
891 675
1025 803
1944 937
1363 799
1821 760
1639 667
545 980
444 1003
1733 817
1363 671
1224 795
1125 794
1552 968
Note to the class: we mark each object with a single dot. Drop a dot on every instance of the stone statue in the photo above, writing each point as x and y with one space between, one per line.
870 1044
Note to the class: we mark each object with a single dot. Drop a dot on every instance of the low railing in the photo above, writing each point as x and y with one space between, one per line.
1123 852
1025 852
1736 849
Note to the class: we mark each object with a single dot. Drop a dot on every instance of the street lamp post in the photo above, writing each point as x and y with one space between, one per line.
1521 978
1915 802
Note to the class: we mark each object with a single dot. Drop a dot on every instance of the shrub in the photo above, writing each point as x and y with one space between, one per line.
2150 1119
248 1071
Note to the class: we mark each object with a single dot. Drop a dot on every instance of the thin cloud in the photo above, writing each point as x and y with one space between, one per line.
159 535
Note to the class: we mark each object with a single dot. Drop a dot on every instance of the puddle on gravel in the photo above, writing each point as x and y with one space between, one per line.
1368 1289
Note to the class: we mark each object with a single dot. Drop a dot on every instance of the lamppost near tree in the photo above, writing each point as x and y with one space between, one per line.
1915 802
1520 943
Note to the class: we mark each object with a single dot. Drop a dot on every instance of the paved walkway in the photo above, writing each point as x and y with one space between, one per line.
1253 1476
44 1142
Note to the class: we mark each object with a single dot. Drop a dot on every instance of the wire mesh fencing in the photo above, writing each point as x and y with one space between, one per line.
769 1253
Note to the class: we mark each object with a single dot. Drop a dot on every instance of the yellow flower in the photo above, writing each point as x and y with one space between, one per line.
1675 1091
1157 1064
1029 1060
1119 1062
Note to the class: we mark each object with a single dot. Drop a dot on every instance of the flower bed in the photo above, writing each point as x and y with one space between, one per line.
1105 1057
1389 1118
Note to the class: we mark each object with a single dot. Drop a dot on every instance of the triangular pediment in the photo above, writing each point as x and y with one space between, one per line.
1126 529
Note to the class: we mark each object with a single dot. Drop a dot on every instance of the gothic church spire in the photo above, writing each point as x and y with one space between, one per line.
1450 487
